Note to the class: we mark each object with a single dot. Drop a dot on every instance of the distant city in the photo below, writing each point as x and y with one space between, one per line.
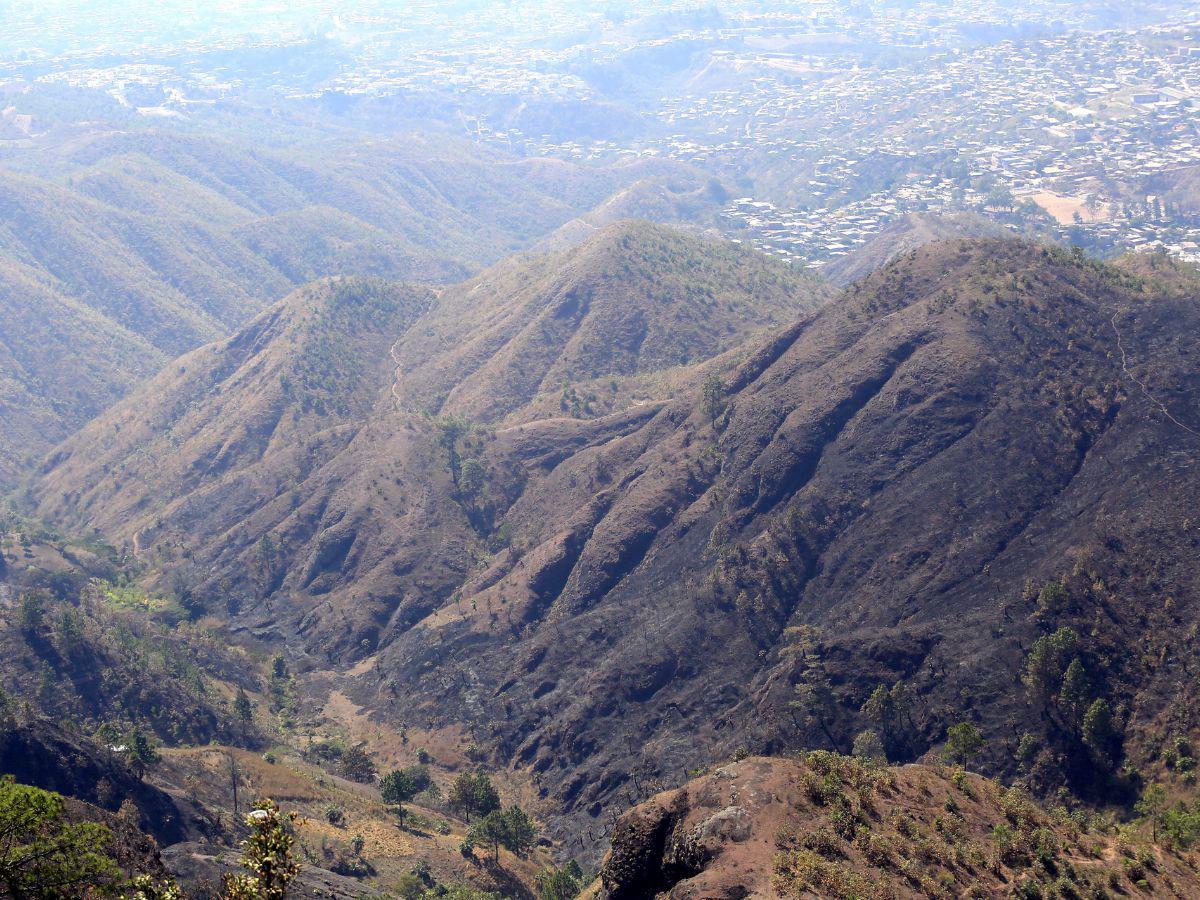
824 124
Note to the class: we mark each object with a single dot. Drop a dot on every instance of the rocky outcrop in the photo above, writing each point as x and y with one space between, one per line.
827 826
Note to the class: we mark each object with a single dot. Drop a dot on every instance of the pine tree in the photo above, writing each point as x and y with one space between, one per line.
1074 693
42 854
242 708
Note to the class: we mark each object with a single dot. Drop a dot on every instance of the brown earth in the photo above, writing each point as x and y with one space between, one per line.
892 481
634 298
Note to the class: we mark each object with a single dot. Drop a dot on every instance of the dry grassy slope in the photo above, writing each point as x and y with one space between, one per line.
451 201
126 266
431 835
634 298
130 247
236 422
893 470
61 363
1179 186
784 828
361 510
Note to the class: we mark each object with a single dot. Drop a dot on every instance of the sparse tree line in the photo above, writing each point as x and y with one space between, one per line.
1066 681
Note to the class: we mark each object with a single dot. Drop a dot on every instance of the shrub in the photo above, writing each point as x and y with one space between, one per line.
334 814
356 764
266 855
1027 749
822 842
560 884
801 872
1099 730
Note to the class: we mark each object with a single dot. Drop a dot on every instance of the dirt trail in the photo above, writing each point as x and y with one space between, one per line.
1141 385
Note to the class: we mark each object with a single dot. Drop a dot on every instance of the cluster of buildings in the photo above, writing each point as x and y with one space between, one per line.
833 117
1075 131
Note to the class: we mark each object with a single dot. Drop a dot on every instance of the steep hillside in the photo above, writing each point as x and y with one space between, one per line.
366 513
81 643
896 479
914 486
60 364
632 299
125 248
36 752
240 419
829 826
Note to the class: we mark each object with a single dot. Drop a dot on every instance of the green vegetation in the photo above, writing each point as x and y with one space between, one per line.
266 855
564 883
130 597
43 854
889 711
402 785
1048 662
473 793
869 747
356 764
281 697
1099 731
134 745
99 652
243 709
510 828
963 743
712 398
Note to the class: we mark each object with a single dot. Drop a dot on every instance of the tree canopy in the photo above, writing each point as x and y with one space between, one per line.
42 854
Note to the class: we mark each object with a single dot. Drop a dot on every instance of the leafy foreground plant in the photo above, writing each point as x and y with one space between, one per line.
266 854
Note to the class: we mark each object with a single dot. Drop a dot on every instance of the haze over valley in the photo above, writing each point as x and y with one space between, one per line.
550 449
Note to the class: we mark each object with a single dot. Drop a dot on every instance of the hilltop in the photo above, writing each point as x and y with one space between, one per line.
903 235
634 298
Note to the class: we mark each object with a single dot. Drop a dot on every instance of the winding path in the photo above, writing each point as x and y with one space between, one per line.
1145 390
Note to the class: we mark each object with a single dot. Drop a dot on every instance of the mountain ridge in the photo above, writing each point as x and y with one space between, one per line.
627 596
